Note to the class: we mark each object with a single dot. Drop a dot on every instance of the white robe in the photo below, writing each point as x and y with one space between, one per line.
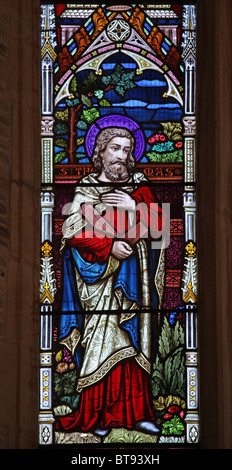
105 343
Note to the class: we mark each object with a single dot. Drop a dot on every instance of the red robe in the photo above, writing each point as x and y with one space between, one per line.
97 249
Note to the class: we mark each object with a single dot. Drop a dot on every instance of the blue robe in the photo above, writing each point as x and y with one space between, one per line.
127 278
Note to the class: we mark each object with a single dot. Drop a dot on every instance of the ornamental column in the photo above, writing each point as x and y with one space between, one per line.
189 280
47 275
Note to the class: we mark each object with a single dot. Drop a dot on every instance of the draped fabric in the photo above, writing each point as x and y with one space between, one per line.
111 340
120 400
88 258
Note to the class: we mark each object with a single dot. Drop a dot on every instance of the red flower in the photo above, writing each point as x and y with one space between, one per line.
178 145
157 138
173 409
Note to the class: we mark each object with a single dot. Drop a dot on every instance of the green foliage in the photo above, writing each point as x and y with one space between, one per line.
90 115
80 141
61 143
72 102
170 157
99 94
163 147
158 379
86 101
119 80
89 84
170 338
164 152
62 115
172 130
65 384
173 427
174 372
65 390
104 103
60 156
82 125
61 128
121 435
168 377
73 85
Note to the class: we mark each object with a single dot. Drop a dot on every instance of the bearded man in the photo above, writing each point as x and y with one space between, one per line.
109 290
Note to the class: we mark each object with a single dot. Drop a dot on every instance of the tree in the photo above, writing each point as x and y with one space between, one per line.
80 96
80 111
119 80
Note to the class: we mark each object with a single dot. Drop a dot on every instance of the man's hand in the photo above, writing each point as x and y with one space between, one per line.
119 199
121 249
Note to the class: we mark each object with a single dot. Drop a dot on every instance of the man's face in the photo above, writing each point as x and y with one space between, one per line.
114 159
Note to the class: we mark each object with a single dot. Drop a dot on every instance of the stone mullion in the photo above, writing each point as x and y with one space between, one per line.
48 277
189 280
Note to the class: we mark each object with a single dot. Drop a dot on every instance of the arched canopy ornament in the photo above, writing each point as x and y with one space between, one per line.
106 45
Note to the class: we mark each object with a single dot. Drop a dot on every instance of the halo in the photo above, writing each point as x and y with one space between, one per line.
116 120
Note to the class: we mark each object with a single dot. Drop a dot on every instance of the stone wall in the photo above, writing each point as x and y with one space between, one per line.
214 133
19 222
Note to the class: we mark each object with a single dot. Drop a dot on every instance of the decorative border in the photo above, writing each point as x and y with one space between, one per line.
48 284
189 280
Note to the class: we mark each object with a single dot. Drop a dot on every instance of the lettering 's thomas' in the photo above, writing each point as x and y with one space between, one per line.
153 173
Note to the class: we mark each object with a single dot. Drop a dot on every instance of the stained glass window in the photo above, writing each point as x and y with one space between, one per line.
118 290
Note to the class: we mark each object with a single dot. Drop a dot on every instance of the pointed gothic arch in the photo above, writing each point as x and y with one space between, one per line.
102 35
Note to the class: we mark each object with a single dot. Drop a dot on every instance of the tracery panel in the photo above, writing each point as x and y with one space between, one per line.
118 225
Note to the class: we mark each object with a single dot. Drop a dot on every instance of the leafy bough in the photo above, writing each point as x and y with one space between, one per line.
168 377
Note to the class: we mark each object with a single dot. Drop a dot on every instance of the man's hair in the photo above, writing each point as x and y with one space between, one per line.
103 138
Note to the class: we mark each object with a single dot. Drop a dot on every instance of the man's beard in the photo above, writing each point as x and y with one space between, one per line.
114 173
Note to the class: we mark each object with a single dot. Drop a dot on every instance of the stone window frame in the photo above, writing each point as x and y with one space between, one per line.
20 219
